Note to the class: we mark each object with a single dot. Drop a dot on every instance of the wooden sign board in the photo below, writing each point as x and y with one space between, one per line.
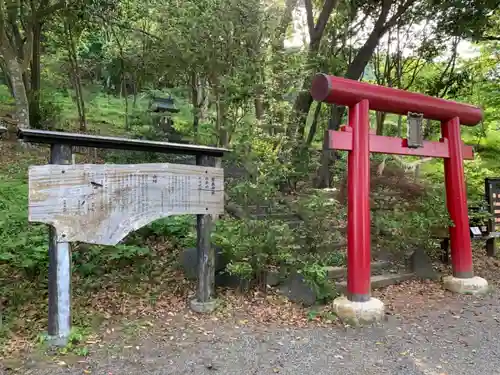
101 204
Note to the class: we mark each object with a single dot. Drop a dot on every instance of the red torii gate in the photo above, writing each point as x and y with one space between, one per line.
357 139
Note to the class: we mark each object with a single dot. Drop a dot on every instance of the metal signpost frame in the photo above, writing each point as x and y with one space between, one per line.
61 144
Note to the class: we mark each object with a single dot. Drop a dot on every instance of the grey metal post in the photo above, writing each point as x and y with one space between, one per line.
204 301
59 322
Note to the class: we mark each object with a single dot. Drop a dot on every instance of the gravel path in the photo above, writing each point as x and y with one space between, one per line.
457 339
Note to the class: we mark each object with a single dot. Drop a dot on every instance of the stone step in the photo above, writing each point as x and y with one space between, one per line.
340 272
380 281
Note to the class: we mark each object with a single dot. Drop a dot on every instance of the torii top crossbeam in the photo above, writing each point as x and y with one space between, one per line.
342 91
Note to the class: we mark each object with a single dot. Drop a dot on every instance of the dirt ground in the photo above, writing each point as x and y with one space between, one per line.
427 331
459 337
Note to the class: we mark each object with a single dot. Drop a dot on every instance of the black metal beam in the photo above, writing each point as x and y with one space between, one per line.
86 140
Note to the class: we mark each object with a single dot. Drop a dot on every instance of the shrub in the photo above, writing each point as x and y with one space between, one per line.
252 246
181 229
24 245
322 216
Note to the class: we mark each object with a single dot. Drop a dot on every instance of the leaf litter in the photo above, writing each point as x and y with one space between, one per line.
159 307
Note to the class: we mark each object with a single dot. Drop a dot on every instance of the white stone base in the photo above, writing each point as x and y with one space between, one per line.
357 313
474 285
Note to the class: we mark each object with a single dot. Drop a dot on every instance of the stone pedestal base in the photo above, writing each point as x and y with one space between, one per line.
474 285
358 313
203 307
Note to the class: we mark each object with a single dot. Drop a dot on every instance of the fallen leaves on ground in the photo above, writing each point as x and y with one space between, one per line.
411 297
159 306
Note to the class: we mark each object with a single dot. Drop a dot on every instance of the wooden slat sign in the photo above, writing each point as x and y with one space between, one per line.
101 203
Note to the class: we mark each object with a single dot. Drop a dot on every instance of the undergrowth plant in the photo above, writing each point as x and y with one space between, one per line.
23 245
252 246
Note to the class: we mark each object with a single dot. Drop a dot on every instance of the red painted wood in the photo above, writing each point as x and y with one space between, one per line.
342 140
360 141
456 201
342 91
347 128
358 204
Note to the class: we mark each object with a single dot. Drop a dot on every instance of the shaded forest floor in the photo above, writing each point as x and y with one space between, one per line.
427 331
454 339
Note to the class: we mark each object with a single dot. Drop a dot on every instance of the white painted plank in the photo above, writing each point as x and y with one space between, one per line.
102 203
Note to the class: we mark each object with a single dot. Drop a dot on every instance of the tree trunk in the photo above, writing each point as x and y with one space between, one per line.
221 123
205 102
77 101
135 90
354 72
125 96
19 90
80 99
79 95
259 102
380 122
195 101
314 125
323 179
300 109
34 92
304 100
400 126
75 77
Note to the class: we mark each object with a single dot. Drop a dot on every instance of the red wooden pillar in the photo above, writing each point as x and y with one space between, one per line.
358 205
456 201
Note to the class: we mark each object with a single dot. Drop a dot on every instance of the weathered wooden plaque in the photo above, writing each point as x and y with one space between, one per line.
101 203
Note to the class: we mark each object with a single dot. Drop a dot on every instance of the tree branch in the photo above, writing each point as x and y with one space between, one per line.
401 9
491 38
318 30
310 18
44 10
327 10
126 27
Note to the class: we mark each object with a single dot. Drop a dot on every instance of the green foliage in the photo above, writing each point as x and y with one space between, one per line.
254 245
28 253
322 216
179 229
51 110
316 276
99 260
75 345
24 246
475 172
411 224
229 63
